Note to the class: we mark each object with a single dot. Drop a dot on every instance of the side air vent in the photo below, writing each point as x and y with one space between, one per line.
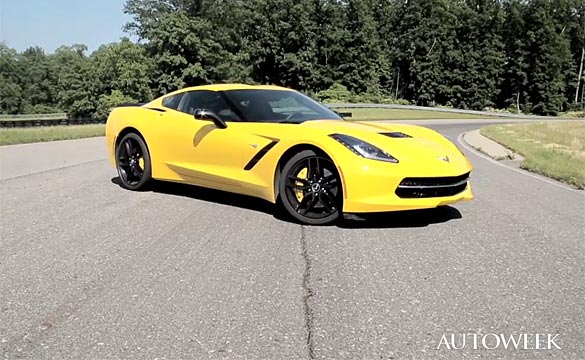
396 134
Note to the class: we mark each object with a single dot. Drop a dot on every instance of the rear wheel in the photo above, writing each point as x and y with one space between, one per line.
133 162
310 188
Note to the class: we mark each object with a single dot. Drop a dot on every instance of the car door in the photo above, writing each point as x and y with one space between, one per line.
197 151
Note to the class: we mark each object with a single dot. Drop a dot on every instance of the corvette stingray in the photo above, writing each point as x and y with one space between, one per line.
282 146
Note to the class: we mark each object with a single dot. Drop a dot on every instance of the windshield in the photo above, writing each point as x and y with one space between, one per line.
277 106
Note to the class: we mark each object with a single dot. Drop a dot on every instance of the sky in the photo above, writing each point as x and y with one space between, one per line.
52 23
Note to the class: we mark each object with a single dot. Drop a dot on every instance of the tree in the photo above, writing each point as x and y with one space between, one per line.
520 54
573 17
186 41
280 41
124 67
514 87
10 89
106 102
550 61
472 80
362 64
37 80
425 50
76 85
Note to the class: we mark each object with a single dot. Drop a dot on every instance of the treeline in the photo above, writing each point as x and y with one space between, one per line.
71 81
473 54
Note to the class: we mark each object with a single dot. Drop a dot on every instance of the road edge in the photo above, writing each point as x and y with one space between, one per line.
461 140
490 147
27 159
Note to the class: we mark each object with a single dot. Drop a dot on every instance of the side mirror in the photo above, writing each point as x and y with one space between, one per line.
203 114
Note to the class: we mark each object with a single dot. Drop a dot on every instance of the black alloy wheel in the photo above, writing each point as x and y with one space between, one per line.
133 162
310 189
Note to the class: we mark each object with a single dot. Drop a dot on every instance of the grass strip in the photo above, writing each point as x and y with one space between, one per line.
554 148
12 136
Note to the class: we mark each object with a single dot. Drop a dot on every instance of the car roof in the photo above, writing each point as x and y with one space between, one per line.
225 87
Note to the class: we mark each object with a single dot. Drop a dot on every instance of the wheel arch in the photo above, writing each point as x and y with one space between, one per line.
292 151
127 130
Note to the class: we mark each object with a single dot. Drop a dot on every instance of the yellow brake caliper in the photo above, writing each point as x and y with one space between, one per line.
301 175
141 163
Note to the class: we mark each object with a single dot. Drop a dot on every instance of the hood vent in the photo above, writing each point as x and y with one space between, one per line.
396 134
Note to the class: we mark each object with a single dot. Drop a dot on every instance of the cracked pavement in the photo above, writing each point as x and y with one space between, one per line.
91 271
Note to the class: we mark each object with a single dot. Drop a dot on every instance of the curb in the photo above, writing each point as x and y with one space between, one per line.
489 147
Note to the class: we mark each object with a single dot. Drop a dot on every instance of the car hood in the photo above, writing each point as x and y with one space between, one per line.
407 143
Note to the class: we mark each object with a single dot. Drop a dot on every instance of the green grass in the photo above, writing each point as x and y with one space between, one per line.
555 149
402 114
49 133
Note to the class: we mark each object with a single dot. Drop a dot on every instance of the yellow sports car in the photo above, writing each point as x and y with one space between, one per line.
280 145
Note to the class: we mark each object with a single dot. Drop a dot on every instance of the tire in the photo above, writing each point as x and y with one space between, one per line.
133 162
310 189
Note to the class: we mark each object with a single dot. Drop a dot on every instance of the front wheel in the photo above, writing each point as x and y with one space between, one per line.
310 189
133 162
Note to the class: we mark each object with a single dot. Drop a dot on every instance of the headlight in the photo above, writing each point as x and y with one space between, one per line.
363 148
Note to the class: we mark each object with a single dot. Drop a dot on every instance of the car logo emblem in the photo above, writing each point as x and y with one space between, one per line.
254 145
444 158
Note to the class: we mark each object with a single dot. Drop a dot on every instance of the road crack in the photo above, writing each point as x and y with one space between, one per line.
308 292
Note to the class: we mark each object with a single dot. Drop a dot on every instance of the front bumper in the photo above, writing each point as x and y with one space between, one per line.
374 186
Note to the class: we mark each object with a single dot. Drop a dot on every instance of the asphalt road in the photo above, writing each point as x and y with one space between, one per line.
91 271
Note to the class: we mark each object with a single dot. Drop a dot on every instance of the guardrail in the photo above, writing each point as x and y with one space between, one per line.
24 123
34 116
33 120
438 109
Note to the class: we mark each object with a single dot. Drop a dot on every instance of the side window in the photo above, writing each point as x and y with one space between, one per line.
208 100
172 102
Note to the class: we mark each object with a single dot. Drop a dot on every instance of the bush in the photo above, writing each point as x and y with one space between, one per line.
107 102
367 98
338 93
576 107
40 109
335 93
396 101
509 110
573 114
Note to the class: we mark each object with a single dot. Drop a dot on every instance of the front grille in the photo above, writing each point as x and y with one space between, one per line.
432 186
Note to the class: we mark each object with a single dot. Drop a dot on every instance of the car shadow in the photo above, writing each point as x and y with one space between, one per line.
403 219
395 219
